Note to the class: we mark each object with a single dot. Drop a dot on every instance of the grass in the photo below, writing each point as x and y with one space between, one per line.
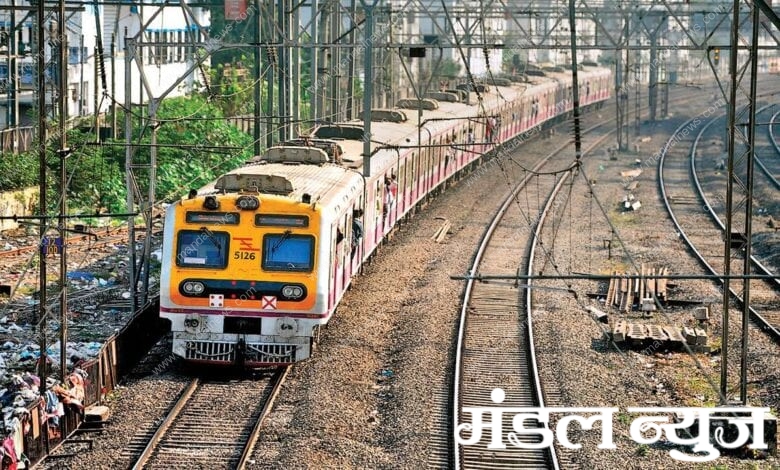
623 219
715 342
694 386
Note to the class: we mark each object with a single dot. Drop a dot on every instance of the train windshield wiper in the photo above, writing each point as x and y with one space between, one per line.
213 240
281 240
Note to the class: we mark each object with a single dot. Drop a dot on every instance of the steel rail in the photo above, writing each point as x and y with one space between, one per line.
185 396
479 255
254 435
773 141
762 322
472 276
763 269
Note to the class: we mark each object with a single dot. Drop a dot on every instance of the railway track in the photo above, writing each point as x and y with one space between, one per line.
771 166
695 215
441 442
213 424
495 362
80 243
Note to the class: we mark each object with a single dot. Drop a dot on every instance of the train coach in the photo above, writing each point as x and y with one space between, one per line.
257 262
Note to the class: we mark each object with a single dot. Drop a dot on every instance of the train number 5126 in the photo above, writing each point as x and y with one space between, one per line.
243 255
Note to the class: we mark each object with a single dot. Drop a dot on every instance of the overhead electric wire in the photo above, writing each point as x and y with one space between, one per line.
633 263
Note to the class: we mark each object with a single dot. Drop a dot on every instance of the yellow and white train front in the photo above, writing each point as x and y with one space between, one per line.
239 280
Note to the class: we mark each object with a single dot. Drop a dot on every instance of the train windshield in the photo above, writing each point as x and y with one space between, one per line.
287 252
202 249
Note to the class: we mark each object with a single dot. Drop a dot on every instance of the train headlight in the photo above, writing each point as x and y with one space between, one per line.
292 292
247 203
193 287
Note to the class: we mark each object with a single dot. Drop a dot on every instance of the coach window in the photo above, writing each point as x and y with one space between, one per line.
202 249
287 252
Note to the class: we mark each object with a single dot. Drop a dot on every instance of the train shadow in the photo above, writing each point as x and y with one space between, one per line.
226 373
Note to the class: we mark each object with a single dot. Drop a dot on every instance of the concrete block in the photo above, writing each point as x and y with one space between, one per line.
619 331
701 336
674 334
598 315
96 413
690 335
656 332
701 313
637 331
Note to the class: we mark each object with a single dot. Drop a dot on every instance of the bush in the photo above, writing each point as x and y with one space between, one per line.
195 145
18 171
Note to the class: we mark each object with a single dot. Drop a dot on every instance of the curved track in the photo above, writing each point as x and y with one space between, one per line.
770 165
500 352
699 225
495 340
214 424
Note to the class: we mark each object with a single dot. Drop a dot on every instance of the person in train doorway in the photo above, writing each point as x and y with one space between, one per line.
490 125
391 192
357 230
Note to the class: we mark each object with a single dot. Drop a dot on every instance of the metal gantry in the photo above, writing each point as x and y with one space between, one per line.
743 69
363 46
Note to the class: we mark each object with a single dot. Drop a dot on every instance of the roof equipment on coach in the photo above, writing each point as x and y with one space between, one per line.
388 115
239 182
290 154
426 104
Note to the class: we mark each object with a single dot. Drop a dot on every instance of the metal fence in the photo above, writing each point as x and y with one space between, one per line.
17 139
116 358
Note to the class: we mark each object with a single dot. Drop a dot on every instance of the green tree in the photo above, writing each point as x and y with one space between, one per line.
195 145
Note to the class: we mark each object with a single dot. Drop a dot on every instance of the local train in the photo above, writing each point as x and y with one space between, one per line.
257 262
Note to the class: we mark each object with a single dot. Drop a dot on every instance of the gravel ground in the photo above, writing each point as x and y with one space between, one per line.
389 346
135 408
367 397
591 372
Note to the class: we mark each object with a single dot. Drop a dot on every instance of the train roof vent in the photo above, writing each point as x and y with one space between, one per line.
290 154
238 182
388 115
518 78
478 87
329 146
443 96
499 81
463 94
340 131
410 103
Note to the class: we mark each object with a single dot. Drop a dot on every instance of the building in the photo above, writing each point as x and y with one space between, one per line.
92 85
